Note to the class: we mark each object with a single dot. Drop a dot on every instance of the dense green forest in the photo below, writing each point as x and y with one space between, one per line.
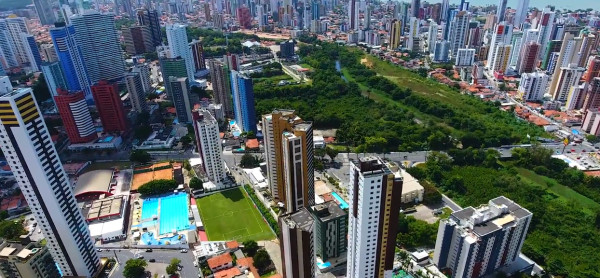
564 235
375 126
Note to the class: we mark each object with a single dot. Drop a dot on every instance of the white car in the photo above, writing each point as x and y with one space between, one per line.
184 250
195 264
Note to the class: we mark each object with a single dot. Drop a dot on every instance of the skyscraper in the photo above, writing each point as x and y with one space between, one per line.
44 11
488 237
150 18
48 52
415 7
593 69
8 56
501 10
109 106
100 46
198 55
138 39
137 94
231 61
181 98
71 59
566 78
297 253
45 184
458 31
244 17
75 115
396 34
54 77
14 27
522 11
172 67
179 46
208 143
533 86
529 57
374 192
432 36
331 224
502 35
501 58
288 144
219 77
243 101
465 57
32 51
353 11
545 26
413 34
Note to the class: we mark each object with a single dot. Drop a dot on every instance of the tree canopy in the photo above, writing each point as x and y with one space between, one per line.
11 229
157 187
196 183
250 247
249 161
134 268
140 156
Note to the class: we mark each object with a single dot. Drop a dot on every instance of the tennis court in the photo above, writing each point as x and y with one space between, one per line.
231 215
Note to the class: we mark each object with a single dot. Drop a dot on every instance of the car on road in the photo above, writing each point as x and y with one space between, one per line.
195 264
184 250
139 256
152 260
148 250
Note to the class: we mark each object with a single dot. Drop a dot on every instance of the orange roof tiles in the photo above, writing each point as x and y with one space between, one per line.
248 262
232 244
252 143
220 260
228 273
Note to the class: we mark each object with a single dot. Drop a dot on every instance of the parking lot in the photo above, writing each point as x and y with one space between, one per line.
159 256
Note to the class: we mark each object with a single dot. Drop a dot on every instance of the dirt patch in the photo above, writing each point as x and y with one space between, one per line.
366 62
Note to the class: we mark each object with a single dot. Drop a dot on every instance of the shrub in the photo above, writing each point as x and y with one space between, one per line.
156 187
263 210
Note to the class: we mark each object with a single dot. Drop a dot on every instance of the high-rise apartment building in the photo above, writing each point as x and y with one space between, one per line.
13 27
373 218
71 58
30 47
331 225
75 115
172 67
546 26
151 19
144 71
8 55
244 17
243 101
100 46
529 57
42 179
432 36
475 242
219 77
521 12
566 78
48 52
297 248
208 143
413 34
592 98
395 34
138 39
415 8
353 15
441 51
502 35
179 46
458 31
45 11
198 55
287 49
501 10
54 77
289 146
533 86
576 97
135 89
181 98
231 61
109 106
465 57
593 69
26 259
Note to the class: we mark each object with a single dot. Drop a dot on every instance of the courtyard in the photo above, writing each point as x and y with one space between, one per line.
231 215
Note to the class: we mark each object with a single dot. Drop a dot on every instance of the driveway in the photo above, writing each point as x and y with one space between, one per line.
274 251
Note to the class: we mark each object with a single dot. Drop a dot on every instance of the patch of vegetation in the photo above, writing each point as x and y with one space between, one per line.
415 233
157 187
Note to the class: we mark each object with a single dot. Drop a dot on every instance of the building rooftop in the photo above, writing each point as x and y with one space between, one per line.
498 213
328 211
298 220
371 165
97 181
220 260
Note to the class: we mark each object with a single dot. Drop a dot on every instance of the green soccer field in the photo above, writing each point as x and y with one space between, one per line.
231 215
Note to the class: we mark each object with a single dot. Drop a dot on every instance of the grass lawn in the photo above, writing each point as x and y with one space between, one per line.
231 215
565 193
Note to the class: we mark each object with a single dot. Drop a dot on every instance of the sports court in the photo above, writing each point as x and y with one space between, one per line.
231 215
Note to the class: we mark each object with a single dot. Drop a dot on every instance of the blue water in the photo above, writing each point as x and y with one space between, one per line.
236 133
107 139
173 213
343 204
323 265
149 239
149 208
231 122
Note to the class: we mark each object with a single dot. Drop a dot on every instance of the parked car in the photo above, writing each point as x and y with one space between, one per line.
148 250
184 250
152 260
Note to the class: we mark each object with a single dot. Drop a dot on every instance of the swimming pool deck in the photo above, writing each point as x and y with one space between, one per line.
164 225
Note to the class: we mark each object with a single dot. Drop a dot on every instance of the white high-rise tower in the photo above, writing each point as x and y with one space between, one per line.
42 179
209 145
522 10
179 46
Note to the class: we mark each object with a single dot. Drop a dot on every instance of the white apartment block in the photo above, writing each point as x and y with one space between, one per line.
475 242
209 145
566 78
501 58
179 47
374 206
465 57
34 161
533 86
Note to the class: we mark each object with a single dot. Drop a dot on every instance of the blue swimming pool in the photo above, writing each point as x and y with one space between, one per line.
149 239
232 122
343 204
323 265
149 208
173 213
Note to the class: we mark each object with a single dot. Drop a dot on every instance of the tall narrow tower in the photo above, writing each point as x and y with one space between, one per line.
42 179
179 46
373 218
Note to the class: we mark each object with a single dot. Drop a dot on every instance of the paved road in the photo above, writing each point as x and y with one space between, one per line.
161 256
449 203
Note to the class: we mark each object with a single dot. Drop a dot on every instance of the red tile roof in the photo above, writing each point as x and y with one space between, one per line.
220 260
248 262
228 273
232 244
252 144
